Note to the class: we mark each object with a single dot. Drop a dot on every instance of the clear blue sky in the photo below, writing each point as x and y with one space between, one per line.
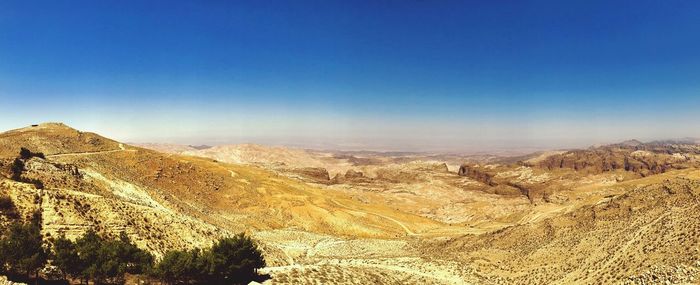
451 75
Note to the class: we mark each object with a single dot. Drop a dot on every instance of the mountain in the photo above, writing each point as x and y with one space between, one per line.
171 201
622 213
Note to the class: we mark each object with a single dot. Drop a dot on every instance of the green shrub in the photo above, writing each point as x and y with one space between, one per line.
178 266
65 257
235 260
229 261
104 260
22 251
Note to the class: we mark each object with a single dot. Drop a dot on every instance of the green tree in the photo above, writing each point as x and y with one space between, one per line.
229 261
16 169
136 260
88 248
27 154
233 260
23 250
106 261
65 257
179 266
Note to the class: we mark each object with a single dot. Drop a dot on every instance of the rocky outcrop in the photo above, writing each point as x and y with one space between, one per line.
499 184
638 159
53 174
316 174
350 175
477 173
505 190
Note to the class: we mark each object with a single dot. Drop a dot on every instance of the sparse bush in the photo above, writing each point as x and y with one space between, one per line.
27 154
16 169
6 203
36 182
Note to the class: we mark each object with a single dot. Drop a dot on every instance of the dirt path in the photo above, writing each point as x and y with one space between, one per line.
402 225
121 148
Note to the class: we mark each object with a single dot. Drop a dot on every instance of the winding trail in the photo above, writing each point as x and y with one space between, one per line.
121 148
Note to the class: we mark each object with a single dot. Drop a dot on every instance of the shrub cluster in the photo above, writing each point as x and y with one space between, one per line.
229 261
103 261
22 252
92 258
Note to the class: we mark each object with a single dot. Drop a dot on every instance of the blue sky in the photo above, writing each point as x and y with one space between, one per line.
399 75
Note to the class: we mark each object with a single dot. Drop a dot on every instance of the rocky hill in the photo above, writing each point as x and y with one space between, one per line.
633 156
165 201
558 217
646 234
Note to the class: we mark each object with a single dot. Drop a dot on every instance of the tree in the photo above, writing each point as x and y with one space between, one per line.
22 249
229 261
104 260
88 247
136 260
180 266
65 257
235 260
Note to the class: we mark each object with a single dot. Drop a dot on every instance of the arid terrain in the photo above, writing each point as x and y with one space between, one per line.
611 214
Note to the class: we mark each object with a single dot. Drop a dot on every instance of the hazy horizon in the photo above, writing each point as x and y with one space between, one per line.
412 75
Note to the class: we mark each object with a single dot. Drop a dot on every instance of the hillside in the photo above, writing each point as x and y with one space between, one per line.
648 232
170 200
557 217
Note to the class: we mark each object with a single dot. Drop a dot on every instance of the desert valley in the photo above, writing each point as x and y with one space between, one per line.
619 213
349 142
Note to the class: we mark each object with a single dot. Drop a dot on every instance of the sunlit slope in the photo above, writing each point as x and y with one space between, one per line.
53 138
233 197
646 229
